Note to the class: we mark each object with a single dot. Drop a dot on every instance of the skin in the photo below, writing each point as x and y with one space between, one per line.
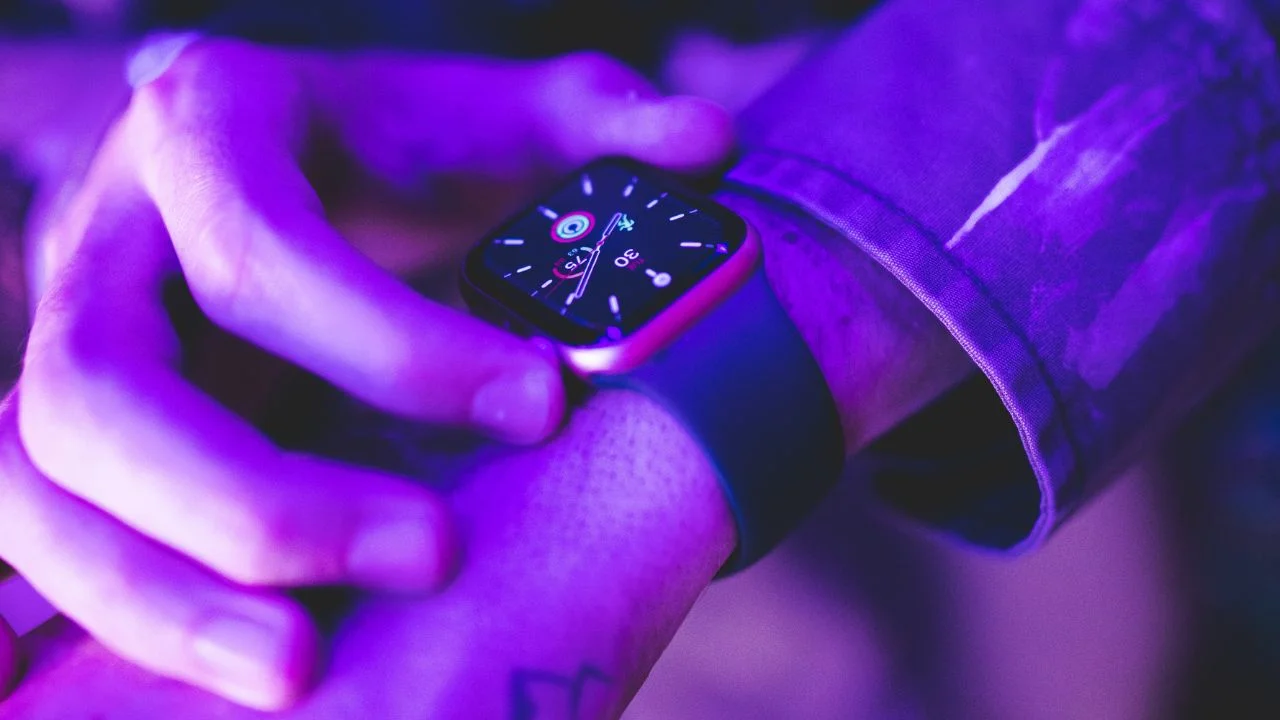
550 532
551 535
198 182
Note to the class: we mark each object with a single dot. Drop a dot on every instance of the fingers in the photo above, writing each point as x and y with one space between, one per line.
589 106
263 262
106 416
507 118
143 601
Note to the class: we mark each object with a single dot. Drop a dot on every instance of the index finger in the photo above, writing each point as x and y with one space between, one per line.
263 262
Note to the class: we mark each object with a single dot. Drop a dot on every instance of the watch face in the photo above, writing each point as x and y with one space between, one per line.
604 254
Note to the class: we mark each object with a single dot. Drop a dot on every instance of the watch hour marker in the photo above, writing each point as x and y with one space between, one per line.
613 305
509 241
548 212
526 268
660 280
586 185
691 244
569 300
631 186
673 218
548 282
655 201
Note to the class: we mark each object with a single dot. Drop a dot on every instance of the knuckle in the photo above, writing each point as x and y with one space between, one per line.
266 549
72 360
254 556
68 384
206 63
569 78
15 464
225 279
198 69
590 69
212 82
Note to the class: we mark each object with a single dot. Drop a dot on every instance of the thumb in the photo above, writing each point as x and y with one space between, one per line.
408 118
590 106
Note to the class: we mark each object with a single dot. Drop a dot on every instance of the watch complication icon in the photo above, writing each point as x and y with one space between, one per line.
572 226
599 257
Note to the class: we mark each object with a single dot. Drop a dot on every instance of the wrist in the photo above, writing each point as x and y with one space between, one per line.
884 355
619 522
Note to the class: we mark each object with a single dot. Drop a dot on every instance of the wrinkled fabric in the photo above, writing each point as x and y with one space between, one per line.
1082 191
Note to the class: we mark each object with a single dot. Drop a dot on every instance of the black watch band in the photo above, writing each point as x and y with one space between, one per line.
745 385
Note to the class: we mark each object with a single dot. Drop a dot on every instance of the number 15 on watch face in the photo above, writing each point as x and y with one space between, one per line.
612 265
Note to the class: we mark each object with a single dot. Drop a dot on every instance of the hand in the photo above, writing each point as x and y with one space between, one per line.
153 496
586 553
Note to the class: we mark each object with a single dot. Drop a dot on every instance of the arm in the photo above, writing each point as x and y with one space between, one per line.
239 637
551 533
572 544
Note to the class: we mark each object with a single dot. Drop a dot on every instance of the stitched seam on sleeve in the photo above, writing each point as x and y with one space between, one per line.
1057 500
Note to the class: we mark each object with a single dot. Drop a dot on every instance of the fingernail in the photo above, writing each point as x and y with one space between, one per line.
400 552
516 405
247 656
546 349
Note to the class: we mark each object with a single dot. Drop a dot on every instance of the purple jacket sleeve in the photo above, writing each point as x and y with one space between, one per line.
1084 192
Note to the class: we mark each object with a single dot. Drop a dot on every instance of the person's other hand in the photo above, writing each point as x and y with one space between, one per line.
585 553
157 518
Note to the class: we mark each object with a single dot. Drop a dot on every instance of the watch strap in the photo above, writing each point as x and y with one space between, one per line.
744 384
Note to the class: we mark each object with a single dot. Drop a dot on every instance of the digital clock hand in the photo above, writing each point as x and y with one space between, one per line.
595 256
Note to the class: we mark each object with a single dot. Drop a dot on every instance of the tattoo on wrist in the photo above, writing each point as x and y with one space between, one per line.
544 695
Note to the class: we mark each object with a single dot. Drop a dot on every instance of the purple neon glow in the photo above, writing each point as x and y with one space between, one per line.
1081 193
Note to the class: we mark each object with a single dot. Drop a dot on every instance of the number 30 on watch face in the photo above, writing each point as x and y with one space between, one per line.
612 265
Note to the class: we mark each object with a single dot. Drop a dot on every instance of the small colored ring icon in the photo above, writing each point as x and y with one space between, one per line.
572 226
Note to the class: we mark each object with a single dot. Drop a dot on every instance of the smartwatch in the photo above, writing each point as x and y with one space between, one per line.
645 285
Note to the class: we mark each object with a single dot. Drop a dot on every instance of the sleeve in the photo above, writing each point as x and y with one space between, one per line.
1082 191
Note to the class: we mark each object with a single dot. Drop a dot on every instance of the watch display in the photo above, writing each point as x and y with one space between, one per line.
646 287
604 254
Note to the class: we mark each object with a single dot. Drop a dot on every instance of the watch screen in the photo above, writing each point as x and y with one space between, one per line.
603 254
